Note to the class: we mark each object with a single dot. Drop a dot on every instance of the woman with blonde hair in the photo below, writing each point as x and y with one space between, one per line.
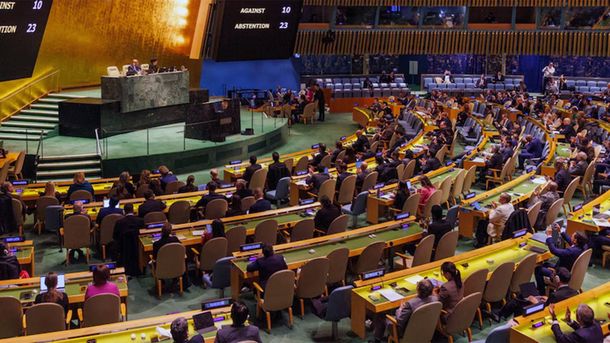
80 183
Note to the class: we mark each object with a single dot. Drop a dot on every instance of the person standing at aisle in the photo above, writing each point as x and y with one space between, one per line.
319 97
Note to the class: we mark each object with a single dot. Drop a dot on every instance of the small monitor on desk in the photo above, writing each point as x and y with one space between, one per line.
531 309
373 274
216 303
250 247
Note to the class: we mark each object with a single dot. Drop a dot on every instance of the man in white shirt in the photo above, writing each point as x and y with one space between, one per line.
499 215
549 72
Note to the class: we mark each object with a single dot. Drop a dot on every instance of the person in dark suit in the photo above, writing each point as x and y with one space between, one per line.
506 150
361 174
150 204
439 226
400 140
342 174
7 216
533 149
153 67
402 195
562 177
190 185
180 332
429 163
567 130
134 68
586 328
205 200
266 265
251 169
9 265
319 97
261 203
362 143
317 158
111 209
277 170
315 180
577 244
495 161
403 313
505 126
166 238
579 167
237 331
242 190
326 214
125 237
337 151
563 291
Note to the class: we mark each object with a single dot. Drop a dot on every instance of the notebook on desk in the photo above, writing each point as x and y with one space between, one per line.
203 322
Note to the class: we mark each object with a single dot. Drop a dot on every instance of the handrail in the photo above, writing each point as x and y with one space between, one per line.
98 145
28 93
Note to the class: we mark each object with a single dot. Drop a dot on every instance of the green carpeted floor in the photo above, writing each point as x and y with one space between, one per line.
142 304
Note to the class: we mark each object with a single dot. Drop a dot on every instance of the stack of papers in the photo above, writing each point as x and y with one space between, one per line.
478 160
539 181
414 279
198 232
390 294
601 222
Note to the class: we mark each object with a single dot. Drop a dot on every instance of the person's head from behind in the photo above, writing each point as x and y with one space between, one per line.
253 159
325 201
258 193
424 289
124 177
179 330
322 147
163 170
239 313
149 194
564 275
437 212
218 228
451 273
211 187
585 315
267 250
275 156
214 174
49 188
128 208
51 280
79 177
190 180
579 239
425 181
166 230
101 275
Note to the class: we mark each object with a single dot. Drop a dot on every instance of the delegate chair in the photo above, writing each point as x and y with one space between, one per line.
338 269
325 162
216 208
277 295
212 251
533 211
423 254
523 273
101 309
76 235
236 237
46 317
469 179
579 270
421 324
258 179
221 275
327 188
309 113
568 194
303 230
16 170
553 212
169 265
446 245
586 184
81 195
311 281
369 181
11 324
302 165
498 284
346 192
173 187
338 307
499 176
106 230
452 215
369 258
266 232
179 212
460 319
18 214
458 186
41 204
246 203
435 199
338 225
356 208
475 283
409 171
281 192
154 217
4 173
446 191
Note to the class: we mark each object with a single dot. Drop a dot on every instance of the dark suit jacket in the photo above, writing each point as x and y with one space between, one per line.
568 131
432 163
232 334
360 179
106 211
245 192
126 242
535 147
438 229
203 202
260 205
402 317
579 168
592 333
266 266
361 144
188 189
7 218
506 154
562 179
79 186
318 158
399 200
560 294
567 256
151 205
161 242
276 172
495 162
316 181
325 216
250 171
9 267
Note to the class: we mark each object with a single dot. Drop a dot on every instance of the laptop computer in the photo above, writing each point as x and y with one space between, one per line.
61 283
203 322
527 289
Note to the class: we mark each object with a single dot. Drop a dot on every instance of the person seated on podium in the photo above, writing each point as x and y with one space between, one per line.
153 67
134 68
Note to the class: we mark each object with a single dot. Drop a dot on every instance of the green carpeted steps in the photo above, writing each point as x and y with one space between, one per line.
59 168
40 118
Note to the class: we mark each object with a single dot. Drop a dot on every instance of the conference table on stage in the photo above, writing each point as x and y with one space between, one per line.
392 233
144 330
76 284
378 203
597 298
190 234
520 190
364 299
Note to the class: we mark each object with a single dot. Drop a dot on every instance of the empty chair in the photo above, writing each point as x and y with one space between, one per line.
169 265
446 191
4 172
356 208
247 202
106 231
586 183
154 217
327 188
422 255
568 194
469 179
446 245
475 282
221 275
338 225
179 212
236 237
411 204
458 186
41 204
346 192
523 273
461 317
11 324
369 258
113 71
338 307
212 251
18 214
409 171
369 181
77 235
173 187
311 281
532 212
435 199
81 195
452 215
101 309
278 295
45 317
302 164
281 192
303 229
325 162
258 179
217 208
498 284
421 324
338 267
553 212
266 232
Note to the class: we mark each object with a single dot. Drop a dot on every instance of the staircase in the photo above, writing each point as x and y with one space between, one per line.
41 117
62 168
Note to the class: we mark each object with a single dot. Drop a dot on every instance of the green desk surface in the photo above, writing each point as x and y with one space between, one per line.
436 179
149 331
516 191
73 289
352 243
563 150
544 334
23 252
497 257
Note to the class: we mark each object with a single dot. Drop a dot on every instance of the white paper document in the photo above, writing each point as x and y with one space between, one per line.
539 181
601 222
478 160
163 332
390 294
414 279
198 232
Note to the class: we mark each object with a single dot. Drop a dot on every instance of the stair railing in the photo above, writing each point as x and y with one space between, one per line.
40 148
98 145
25 95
